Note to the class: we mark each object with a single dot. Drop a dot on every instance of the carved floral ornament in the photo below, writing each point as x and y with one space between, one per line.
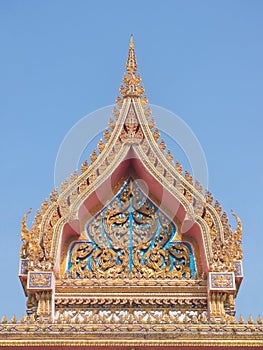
131 237
131 127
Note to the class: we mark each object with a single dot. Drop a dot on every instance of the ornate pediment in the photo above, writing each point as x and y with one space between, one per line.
131 226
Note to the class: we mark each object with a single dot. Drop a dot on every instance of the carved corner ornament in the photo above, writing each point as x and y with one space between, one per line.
40 281
222 281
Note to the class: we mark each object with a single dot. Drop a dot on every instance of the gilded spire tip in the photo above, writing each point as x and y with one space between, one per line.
131 80
131 42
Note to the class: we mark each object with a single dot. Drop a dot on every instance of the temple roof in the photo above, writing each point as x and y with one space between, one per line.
132 141
131 183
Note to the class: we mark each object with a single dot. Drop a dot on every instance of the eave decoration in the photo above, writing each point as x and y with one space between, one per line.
153 251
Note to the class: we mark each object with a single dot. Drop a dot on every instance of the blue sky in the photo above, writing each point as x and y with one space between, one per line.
61 60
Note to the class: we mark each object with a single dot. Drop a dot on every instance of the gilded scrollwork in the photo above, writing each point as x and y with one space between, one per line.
79 257
131 237
180 253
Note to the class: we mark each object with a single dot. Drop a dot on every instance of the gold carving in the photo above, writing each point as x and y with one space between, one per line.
53 196
178 167
132 82
162 146
150 262
84 167
93 156
44 307
131 131
79 259
25 236
107 135
44 206
111 231
156 135
209 198
169 156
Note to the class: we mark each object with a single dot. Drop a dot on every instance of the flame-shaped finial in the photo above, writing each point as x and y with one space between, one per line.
131 41
132 81
131 65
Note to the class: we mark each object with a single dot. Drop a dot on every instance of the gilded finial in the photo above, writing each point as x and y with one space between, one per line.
131 42
132 83
131 65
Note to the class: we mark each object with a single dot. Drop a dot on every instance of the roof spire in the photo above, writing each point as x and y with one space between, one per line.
131 81
131 65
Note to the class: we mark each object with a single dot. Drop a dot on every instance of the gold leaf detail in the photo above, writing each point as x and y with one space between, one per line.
107 135
101 146
169 156
188 177
83 186
38 217
162 146
178 167
93 156
131 81
84 167
44 206
54 196
218 207
208 197
156 135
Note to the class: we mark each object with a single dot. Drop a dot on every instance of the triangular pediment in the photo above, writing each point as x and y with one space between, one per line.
104 228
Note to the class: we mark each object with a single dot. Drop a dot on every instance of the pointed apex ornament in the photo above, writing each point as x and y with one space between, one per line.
132 87
131 65
131 41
